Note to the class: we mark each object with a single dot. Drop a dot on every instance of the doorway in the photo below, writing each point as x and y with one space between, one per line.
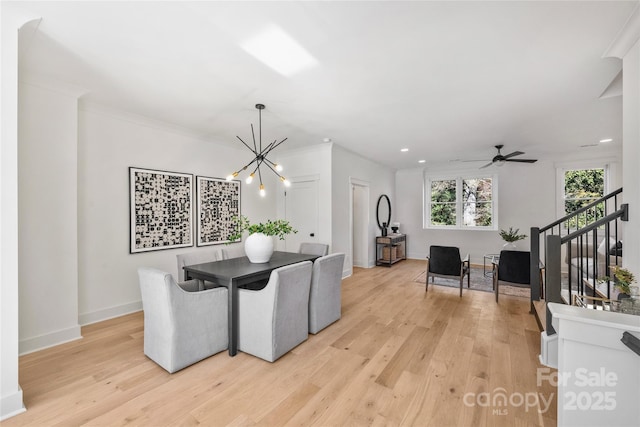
359 223
301 210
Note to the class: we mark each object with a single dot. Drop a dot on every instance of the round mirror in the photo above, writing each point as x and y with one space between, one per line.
383 211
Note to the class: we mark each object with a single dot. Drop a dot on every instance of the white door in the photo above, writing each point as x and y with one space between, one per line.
301 210
360 220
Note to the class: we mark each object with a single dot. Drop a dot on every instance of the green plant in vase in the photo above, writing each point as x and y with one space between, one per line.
259 245
511 237
622 279
279 228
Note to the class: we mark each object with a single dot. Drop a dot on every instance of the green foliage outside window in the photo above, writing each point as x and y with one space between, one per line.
443 202
582 187
476 198
475 208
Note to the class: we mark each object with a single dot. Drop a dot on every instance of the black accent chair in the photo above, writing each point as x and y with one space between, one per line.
445 261
511 268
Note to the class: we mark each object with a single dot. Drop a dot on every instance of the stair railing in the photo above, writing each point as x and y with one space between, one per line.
580 235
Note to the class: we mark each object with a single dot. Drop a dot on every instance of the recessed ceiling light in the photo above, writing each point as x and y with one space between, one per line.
604 141
279 50
404 150
421 161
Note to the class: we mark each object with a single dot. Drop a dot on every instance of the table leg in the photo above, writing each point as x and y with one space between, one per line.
233 317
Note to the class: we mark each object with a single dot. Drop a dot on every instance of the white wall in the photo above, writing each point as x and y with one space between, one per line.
526 198
11 19
381 179
75 265
48 209
313 161
631 158
109 143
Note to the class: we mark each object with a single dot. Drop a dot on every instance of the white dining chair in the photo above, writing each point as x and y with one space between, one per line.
274 320
325 298
320 249
181 324
233 251
198 257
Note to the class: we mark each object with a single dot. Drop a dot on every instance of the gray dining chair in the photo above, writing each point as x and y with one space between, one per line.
325 297
181 324
198 257
274 320
314 248
235 251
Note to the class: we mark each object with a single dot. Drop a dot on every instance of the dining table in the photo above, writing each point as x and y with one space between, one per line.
236 272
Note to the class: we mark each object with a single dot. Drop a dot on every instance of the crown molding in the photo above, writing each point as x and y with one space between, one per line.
46 82
626 38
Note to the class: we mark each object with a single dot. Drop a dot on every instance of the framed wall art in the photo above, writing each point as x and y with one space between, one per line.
218 207
161 210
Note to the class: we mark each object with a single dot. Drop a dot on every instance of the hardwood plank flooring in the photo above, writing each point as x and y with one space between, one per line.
397 357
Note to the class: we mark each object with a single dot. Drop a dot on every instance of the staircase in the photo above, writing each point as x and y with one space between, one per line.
576 251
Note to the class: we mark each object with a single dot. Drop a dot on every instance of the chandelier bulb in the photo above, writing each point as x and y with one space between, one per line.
278 167
285 181
233 175
262 192
249 179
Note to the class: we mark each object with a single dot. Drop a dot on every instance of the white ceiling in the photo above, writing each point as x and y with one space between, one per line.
448 80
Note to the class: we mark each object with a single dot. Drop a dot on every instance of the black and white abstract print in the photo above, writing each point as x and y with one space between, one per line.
218 207
161 204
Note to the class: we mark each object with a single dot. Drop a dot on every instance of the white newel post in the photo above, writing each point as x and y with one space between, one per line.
598 375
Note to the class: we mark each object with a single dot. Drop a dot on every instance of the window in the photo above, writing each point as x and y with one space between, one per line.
460 202
580 188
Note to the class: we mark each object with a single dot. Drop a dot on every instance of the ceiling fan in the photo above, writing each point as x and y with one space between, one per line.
499 159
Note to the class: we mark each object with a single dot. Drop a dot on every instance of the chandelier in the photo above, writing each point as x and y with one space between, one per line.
260 158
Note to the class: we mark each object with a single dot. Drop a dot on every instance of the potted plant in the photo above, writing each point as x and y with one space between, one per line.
259 245
622 279
511 237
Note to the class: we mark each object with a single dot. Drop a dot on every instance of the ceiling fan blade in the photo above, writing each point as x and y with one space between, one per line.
515 153
521 160
486 166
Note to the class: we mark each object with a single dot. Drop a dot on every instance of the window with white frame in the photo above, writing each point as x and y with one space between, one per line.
462 202
579 188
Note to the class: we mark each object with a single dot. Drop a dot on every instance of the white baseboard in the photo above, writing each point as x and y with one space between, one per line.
52 339
11 405
109 313
29 345
548 350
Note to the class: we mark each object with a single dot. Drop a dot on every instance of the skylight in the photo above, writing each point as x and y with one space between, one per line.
279 51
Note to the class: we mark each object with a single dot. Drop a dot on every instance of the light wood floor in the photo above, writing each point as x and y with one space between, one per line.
397 357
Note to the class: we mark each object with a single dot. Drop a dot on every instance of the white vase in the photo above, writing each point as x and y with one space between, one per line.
258 247
509 246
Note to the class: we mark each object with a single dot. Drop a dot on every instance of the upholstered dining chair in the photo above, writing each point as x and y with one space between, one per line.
274 320
314 248
198 257
512 268
445 261
181 324
235 251
325 297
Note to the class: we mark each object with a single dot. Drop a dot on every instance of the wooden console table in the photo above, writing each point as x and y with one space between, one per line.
391 249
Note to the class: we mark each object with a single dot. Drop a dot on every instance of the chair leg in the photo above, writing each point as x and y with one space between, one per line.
461 280
468 277
426 288
496 285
